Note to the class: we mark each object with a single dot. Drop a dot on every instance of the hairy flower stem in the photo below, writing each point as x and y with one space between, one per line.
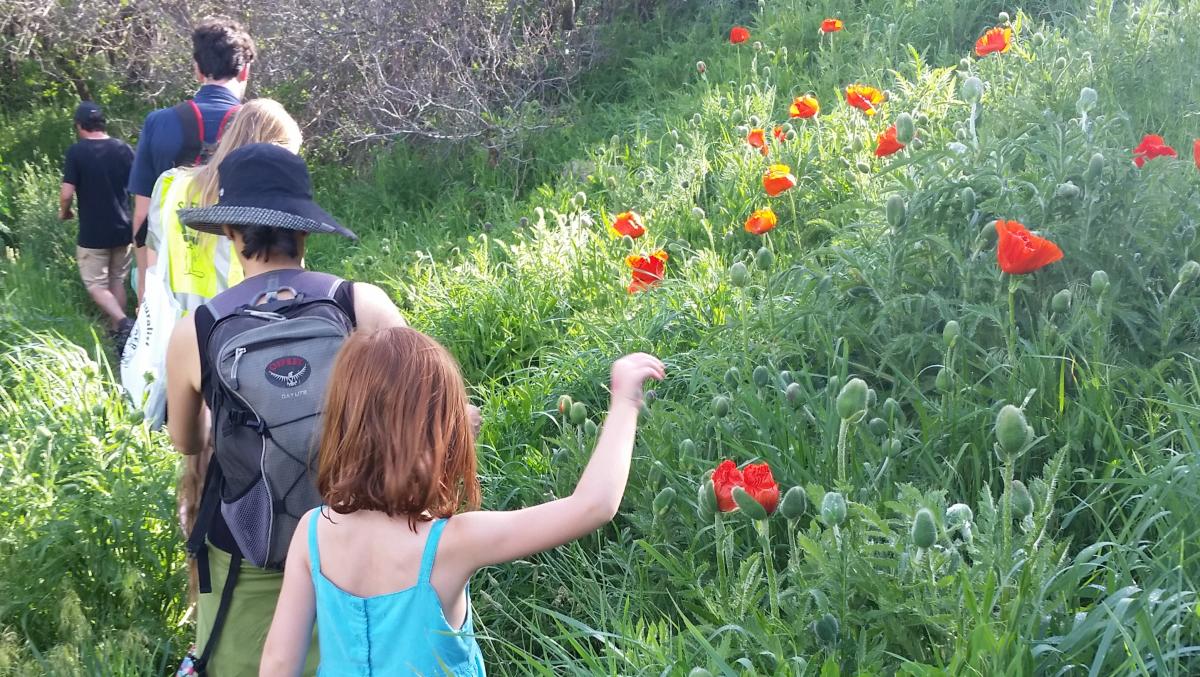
1012 322
722 564
1006 511
841 450
763 527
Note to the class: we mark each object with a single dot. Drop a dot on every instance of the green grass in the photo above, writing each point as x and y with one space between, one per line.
1100 579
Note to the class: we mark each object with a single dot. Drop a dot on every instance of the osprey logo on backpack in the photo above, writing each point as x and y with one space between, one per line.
288 372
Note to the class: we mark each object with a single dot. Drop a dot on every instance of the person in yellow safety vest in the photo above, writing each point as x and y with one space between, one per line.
197 266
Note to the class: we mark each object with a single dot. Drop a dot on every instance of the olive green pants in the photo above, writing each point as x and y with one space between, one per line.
239 647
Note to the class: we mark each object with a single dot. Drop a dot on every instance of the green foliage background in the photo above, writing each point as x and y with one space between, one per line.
522 282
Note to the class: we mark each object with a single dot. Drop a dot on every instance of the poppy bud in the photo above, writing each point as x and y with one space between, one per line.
679 149
523 222
664 500
720 406
580 199
771 53
578 413
758 46
833 509
1099 282
755 121
761 376
733 378
826 629
766 72
1060 63
1066 191
698 212
1038 39
742 130
764 259
905 129
852 400
627 242
871 398
968 199
988 232
793 393
958 515
924 529
589 428
856 144
1188 271
972 89
564 404
892 411
739 275
961 134
950 333
1061 301
611 182
736 115
687 447
964 64
917 144
748 90
878 427
790 135
1022 502
1004 17
783 52
696 119
706 503
1012 432
944 380
892 447
894 210
863 166
615 140
1095 170
1087 100
699 672
793 503
746 503
701 67
786 377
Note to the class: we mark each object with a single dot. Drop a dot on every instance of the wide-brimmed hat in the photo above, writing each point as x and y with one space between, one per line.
263 184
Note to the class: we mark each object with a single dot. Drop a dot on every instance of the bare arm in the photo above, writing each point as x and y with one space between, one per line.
65 196
291 630
186 424
374 309
487 537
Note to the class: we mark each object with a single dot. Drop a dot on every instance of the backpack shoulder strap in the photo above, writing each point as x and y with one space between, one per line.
226 118
192 123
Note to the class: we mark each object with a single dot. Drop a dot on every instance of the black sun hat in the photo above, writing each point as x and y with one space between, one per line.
263 184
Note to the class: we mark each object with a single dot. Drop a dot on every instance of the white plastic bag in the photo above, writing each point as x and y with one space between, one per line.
144 362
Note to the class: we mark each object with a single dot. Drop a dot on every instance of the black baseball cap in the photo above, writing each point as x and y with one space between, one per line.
262 184
88 111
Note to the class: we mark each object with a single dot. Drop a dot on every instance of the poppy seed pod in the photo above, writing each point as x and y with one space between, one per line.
764 259
968 199
826 628
746 503
894 210
578 413
924 529
720 406
761 376
739 276
733 378
878 427
972 89
1087 100
1188 271
1095 170
664 500
793 504
1022 502
852 400
1061 301
950 333
1012 432
590 428
833 509
687 447
905 128
1099 282
793 393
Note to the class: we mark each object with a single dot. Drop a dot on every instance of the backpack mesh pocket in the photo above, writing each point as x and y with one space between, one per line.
250 520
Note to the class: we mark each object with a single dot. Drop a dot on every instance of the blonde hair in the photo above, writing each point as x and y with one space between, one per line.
258 121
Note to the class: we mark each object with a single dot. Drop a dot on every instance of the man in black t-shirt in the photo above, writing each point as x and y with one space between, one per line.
97 171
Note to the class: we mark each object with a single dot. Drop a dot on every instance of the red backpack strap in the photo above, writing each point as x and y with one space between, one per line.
192 123
225 120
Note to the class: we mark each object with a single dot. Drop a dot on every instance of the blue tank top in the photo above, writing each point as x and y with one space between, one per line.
399 633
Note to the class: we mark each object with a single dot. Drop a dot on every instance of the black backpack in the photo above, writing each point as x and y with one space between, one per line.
268 367
195 150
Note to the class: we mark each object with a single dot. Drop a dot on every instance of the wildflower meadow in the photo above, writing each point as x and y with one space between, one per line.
924 276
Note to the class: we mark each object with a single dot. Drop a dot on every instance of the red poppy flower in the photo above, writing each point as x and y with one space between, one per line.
647 270
805 106
831 25
886 143
725 478
779 134
758 139
761 221
997 39
778 179
864 97
1020 252
760 484
629 223
1152 146
1196 152
738 35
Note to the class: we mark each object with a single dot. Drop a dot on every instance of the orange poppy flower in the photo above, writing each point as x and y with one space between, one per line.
864 97
758 481
1196 152
778 179
738 35
725 478
886 143
647 270
1152 146
758 139
1020 252
629 223
805 106
779 134
761 221
997 39
831 25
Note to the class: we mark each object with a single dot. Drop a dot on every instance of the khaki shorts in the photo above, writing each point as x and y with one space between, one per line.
104 268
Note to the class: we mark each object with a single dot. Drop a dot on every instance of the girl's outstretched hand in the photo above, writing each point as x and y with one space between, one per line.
628 375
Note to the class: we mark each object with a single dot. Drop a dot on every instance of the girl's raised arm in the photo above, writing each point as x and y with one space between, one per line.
485 537
291 630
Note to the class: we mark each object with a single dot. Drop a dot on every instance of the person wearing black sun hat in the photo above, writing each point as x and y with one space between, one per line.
265 206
